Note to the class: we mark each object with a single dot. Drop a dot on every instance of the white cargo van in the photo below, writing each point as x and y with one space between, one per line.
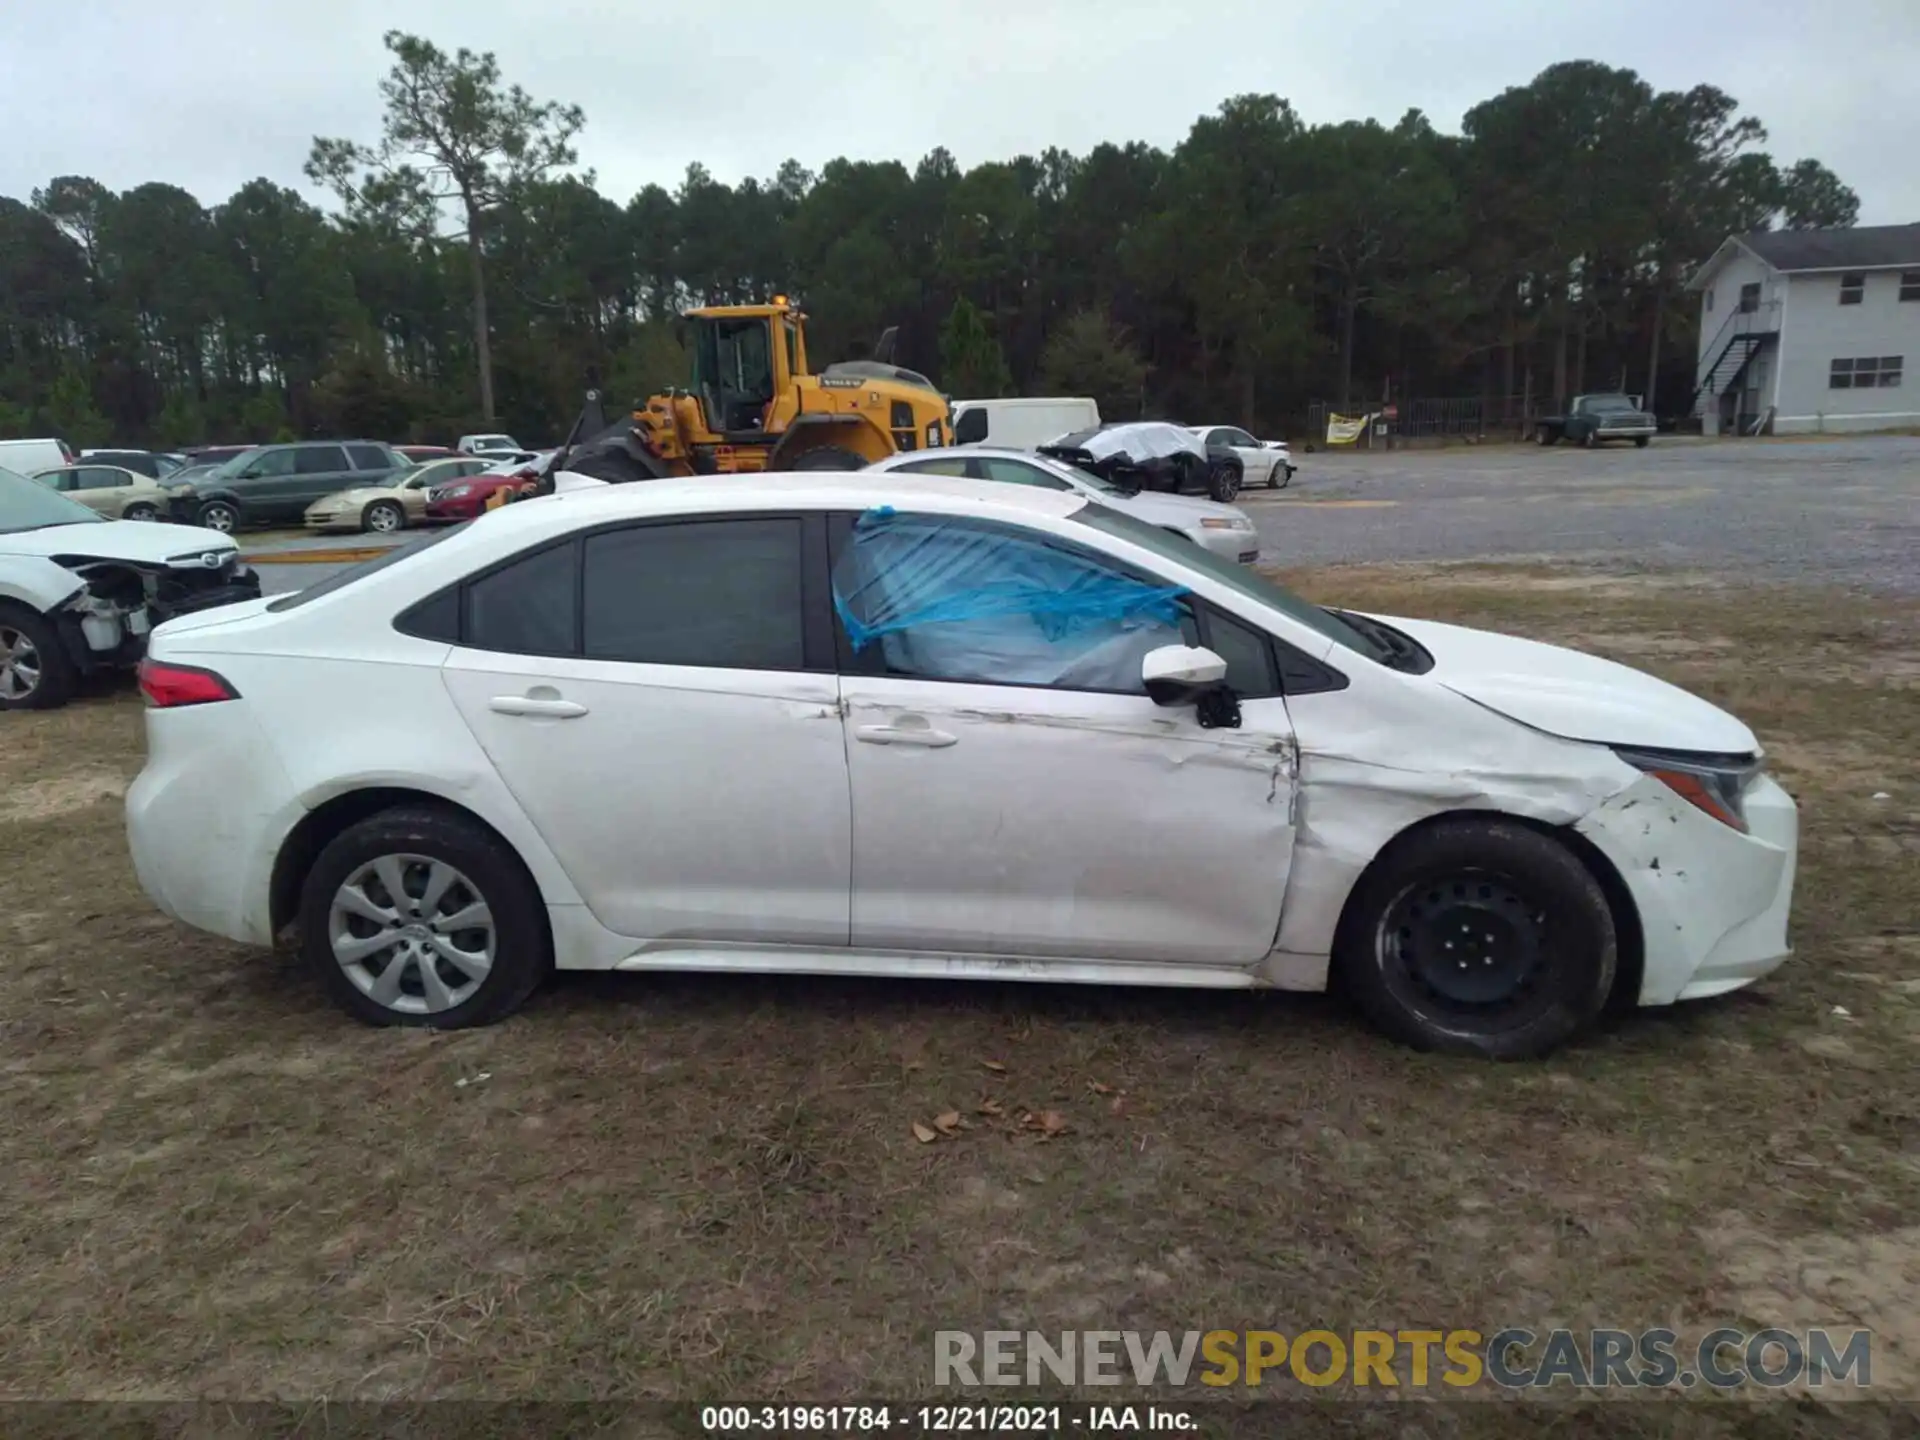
30 457
1021 424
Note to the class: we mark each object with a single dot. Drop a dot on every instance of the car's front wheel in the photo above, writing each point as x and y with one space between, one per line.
383 517
141 511
219 515
1482 937
420 916
35 672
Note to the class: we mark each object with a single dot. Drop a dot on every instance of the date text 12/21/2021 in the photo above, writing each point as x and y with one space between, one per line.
961 1419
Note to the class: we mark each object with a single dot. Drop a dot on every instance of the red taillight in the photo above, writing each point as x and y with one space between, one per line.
167 687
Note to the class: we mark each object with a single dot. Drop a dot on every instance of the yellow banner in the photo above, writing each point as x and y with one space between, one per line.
1345 429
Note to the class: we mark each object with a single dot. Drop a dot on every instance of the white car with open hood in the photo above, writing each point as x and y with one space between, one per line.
79 593
877 724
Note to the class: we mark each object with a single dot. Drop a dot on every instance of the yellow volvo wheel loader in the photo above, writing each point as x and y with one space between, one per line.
754 405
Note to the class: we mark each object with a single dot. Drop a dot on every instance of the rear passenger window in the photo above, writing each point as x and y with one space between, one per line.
526 608
369 457
723 594
319 460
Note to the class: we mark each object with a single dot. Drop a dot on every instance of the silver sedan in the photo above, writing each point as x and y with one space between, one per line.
1223 529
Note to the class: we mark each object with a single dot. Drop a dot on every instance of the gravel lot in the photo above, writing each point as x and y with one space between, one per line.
1829 512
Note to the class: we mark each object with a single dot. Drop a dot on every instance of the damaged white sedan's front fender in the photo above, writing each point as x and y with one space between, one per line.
37 582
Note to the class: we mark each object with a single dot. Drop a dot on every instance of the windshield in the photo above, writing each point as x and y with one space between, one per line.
229 469
1606 403
1242 578
28 505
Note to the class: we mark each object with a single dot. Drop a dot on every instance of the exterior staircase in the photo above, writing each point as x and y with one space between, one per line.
1744 334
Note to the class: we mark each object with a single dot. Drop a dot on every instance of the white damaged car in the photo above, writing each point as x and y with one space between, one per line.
905 725
79 593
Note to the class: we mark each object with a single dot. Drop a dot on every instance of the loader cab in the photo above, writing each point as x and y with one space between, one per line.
744 356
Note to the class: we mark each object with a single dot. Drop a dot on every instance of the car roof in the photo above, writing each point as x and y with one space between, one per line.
836 490
998 452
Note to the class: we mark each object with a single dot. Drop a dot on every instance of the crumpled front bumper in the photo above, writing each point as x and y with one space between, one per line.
1713 902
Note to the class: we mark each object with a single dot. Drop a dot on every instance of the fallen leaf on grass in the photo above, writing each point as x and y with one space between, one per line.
995 1066
923 1134
1048 1122
1119 1105
948 1123
989 1107
1098 1088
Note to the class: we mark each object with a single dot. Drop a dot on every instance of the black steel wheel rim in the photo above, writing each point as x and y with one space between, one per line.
1468 942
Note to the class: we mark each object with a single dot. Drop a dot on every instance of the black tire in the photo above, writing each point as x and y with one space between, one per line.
523 945
1589 441
1545 435
827 457
1524 905
50 676
1223 484
141 511
383 517
218 515
1640 441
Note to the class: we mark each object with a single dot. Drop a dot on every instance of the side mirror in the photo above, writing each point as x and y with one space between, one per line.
1191 675
971 427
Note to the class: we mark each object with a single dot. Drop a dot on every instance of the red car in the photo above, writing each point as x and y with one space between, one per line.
464 499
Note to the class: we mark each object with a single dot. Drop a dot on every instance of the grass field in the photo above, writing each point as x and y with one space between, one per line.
712 1187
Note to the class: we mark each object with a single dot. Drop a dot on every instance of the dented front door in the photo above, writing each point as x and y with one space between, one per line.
1018 820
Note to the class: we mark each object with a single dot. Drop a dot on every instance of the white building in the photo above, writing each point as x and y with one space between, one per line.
1809 331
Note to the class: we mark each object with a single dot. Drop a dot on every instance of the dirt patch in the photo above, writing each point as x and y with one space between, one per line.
1831 1281
60 794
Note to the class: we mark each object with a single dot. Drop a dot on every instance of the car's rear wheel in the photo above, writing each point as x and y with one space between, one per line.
141 511
418 916
35 672
1589 440
1640 442
218 515
1224 483
1481 937
383 517
1545 435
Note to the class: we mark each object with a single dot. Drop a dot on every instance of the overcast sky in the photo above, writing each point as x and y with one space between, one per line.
210 94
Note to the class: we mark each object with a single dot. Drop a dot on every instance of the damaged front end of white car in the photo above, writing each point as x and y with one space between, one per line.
79 594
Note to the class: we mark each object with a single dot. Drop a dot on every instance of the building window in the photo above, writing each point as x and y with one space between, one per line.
1749 299
1909 285
1853 288
1866 372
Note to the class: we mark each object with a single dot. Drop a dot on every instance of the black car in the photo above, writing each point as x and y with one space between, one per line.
274 484
141 462
1152 455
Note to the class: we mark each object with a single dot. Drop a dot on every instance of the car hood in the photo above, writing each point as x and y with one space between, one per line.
136 542
1574 695
1160 508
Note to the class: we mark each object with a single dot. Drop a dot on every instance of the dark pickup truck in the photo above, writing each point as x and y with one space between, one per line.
1593 418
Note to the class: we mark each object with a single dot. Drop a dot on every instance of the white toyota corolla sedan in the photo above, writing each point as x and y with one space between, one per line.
865 724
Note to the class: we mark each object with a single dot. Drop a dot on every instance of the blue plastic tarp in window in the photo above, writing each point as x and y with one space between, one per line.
952 600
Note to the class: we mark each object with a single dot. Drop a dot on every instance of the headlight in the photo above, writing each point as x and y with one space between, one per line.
1225 522
1716 784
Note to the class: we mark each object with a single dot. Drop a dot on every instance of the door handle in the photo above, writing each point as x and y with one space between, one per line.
550 709
922 735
